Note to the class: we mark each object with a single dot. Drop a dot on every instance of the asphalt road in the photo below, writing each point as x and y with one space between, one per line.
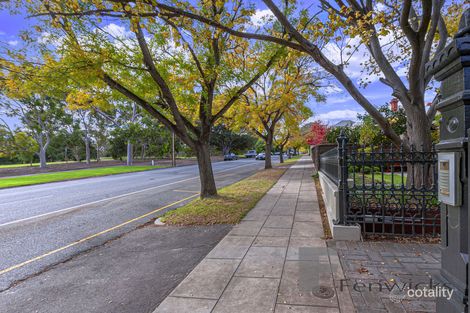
131 274
44 225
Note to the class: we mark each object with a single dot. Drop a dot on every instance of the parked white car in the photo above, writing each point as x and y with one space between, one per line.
250 154
261 156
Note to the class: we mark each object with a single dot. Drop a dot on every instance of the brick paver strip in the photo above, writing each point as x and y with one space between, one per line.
372 262
273 261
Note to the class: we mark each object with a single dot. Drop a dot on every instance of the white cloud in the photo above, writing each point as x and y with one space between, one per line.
402 72
44 37
354 67
117 31
346 97
380 7
356 57
13 42
262 17
336 116
47 38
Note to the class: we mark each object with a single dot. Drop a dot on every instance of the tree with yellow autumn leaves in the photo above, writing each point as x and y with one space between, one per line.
398 36
279 97
182 72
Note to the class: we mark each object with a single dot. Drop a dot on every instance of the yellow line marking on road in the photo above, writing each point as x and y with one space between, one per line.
14 267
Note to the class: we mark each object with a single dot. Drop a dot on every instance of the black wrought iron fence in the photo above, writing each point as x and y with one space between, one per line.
387 190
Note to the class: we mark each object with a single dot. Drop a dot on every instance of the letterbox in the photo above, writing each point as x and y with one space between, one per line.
449 186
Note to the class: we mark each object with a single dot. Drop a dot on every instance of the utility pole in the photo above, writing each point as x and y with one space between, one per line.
173 157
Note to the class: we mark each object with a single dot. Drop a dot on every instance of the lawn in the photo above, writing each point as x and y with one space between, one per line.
378 179
231 204
33 165
69 175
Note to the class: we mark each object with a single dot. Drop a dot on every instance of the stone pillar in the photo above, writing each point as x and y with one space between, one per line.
451 67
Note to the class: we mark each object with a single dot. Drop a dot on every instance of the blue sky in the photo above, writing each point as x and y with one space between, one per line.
338 106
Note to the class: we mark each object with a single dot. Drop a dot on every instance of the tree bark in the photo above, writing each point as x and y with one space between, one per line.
42 157
87 150
76 154
419 139
208 187
281 158
130 155
98 157
42 150
142 151
268 150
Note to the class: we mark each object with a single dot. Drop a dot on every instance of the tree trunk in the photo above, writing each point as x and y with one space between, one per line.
208 187
418 130
98 157
281 158
87 150
42 151
76 154
129 153
142 151
267 151
42 157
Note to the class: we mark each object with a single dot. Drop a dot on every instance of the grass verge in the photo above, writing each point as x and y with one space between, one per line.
69 175
34 164
292 159
231 204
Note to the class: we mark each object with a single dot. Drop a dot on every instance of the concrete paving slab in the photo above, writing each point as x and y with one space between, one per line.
307 196
279 221
274 232
248 295
271 241
283 211
308 206
247 228
307 216
178 305
297 244
257 215
231 247
208 280
298 282
307 229
262 262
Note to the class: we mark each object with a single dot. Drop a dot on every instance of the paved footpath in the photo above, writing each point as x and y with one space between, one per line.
273 261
